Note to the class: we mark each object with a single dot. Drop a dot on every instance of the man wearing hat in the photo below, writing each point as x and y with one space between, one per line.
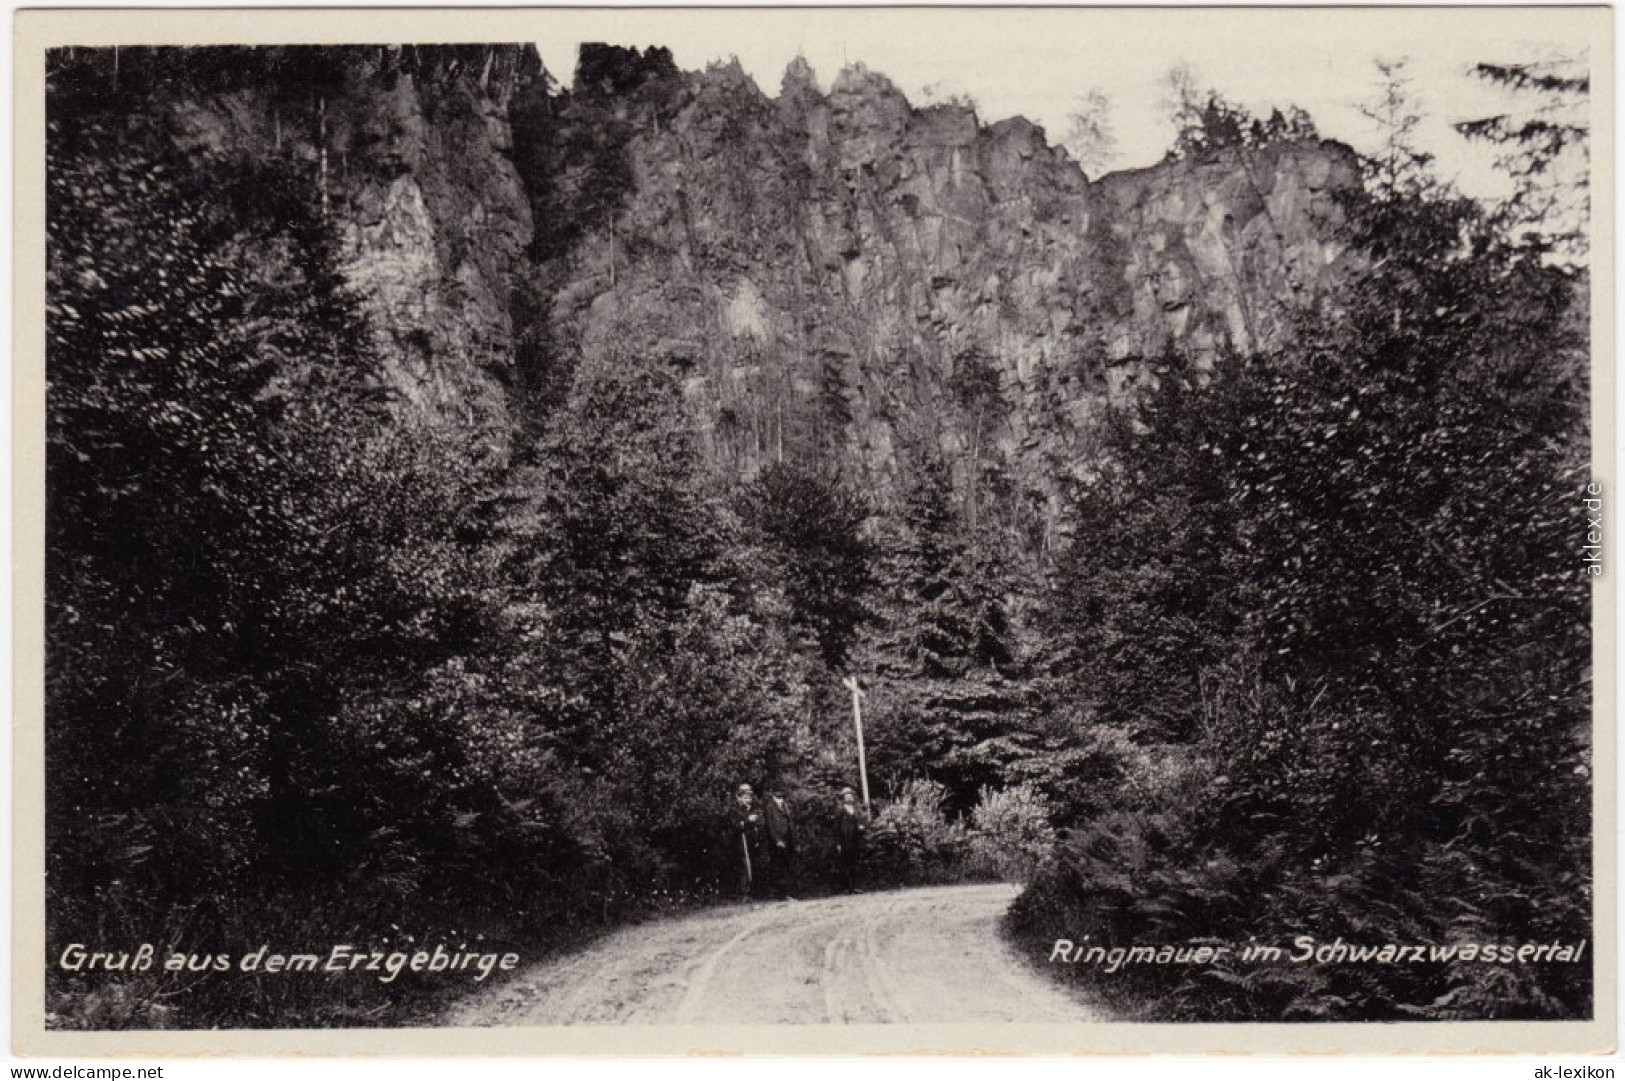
751 851
782 835
849 830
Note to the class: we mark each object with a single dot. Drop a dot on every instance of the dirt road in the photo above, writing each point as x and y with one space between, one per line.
927 955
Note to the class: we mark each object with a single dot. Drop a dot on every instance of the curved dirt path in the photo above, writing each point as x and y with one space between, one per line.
921 956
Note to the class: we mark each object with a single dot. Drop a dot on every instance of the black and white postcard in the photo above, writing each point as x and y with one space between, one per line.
814 530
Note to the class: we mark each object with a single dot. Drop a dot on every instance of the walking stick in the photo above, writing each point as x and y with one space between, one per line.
750 876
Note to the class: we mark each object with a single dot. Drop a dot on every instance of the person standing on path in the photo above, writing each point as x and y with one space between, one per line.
751 849
849 831
781 835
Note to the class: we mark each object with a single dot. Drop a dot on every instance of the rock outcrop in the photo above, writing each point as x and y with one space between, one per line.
841 278
850 279
413 149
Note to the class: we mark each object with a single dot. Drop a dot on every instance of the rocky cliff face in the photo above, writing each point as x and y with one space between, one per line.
840 278
846 278
413 151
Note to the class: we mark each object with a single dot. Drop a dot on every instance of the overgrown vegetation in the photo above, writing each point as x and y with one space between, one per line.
1313 660
1338 584
316 673
319 674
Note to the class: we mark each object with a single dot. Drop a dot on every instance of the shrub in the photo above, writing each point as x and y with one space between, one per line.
912 842
1010 833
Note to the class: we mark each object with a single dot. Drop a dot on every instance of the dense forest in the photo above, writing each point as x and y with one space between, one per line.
1296 641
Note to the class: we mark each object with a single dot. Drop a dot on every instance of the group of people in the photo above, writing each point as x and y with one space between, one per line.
766 840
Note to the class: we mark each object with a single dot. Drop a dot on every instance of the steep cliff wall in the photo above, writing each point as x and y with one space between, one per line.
841 278
846 277
412 150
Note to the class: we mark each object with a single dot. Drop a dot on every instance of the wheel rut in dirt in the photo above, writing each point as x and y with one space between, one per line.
922 956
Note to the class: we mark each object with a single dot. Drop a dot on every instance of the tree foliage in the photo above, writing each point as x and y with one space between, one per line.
248 568
1206 122
314 671
1344 623
811 528
1543 144
1090 137
950 693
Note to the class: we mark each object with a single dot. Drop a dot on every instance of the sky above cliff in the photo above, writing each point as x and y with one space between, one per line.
1039 63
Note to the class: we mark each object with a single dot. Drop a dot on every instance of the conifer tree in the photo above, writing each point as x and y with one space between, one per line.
951 703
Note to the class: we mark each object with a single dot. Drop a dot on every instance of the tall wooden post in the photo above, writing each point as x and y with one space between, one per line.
851 684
